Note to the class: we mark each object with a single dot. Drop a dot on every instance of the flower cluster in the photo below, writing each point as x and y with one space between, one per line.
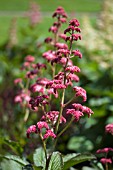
109 128
105 151
64 74
37 129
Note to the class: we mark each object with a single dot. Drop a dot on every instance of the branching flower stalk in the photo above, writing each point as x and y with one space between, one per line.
60 57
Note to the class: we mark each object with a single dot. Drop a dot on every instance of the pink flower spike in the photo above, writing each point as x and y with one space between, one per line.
80 92
106 160
49 133
109 128
31 129
42 124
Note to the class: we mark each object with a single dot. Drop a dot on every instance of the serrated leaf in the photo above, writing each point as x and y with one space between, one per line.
39 158
56 161
76 159
16 159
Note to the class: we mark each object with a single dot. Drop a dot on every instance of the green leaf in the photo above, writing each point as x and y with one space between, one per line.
15 146
39 158
74 159
15 158
56 161
80 144
10 165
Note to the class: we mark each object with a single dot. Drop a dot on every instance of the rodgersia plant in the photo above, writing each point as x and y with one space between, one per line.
42 92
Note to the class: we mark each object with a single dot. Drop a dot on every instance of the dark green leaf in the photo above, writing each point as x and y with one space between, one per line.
73 159
56 161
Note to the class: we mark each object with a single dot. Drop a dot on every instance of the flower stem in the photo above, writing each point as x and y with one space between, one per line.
44 145
65 128
61 110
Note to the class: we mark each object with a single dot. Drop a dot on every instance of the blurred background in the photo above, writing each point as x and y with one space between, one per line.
23 27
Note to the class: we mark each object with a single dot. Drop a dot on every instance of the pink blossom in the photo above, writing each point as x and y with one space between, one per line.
63 61
34 102
106 160
59 76
63 36
80 92
18 99
63 51
26 64
58 86
73 69
104 150
76 114
49 55
18 80
48 40
72 28
41 125
29 58
51 91
42 81
31 129
87 110
22 97
77 29
37 88
72 77
53 29
59 12
76 37
49 133
109 128
77 106
61 46
63 20
77 53
74 22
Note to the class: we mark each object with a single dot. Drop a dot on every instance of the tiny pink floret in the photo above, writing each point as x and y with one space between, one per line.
42 124
109 128
49 133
